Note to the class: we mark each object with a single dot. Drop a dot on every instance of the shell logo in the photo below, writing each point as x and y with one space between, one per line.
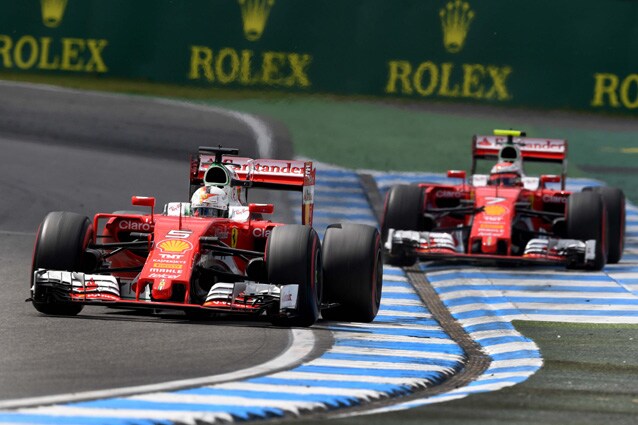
495 210
175 246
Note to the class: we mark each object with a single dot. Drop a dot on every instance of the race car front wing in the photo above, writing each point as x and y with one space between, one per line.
442 246
246 297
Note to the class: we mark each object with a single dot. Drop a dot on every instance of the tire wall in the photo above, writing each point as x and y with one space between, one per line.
575 54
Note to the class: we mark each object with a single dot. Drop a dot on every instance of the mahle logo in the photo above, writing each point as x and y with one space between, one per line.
255 13
53 12
456 18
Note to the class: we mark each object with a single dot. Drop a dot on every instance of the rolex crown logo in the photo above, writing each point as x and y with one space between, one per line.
52 12
255 13
456 18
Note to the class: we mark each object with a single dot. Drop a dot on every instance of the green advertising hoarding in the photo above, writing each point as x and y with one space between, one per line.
568 54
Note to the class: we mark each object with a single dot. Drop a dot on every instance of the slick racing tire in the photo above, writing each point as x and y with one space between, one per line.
352 272
403 205
197 295
60 244
586 219
293 256
614 200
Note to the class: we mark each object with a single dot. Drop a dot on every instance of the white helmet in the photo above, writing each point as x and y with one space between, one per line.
226 178
506 174
211 201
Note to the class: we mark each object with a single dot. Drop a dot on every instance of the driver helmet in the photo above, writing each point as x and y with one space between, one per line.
225 177
211 201
506 174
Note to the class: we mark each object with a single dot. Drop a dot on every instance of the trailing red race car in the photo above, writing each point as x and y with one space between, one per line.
506 216
213 254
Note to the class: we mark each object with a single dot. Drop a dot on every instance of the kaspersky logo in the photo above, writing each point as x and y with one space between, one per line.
456 18
254 14
53 12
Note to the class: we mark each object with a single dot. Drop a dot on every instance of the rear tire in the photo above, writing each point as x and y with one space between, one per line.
587 219
614 200
61 242
352 272
293 256
403 210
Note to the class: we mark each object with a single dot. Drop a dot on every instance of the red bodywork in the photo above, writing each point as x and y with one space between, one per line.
484 221
157 270
168 261
491 226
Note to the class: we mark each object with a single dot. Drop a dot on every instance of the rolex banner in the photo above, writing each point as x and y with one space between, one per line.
579 54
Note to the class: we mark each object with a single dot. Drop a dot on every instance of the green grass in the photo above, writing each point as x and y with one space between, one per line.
590 376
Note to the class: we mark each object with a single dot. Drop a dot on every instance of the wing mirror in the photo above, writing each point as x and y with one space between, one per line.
457 174
261 208
144 201
549 178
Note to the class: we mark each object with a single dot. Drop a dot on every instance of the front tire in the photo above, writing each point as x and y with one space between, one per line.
61 243
587 219
403 211
293 256
352 271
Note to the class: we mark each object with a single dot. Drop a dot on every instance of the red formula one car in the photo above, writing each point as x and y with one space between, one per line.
505 216
214 254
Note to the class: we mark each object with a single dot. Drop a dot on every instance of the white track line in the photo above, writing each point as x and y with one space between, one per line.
301 345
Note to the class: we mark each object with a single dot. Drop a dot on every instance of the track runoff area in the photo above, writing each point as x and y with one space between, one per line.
416 352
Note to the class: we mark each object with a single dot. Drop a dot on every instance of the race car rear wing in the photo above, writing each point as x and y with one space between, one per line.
531 149
261 173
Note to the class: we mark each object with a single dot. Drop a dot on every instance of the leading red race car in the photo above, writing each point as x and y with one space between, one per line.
214 254
506 216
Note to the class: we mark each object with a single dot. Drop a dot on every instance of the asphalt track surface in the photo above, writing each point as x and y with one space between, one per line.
82 152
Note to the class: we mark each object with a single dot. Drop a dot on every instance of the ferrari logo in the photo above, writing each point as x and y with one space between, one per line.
233 237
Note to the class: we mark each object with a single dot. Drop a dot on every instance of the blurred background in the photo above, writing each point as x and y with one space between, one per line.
373 84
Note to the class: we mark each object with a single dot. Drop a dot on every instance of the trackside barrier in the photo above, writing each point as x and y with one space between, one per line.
578 54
